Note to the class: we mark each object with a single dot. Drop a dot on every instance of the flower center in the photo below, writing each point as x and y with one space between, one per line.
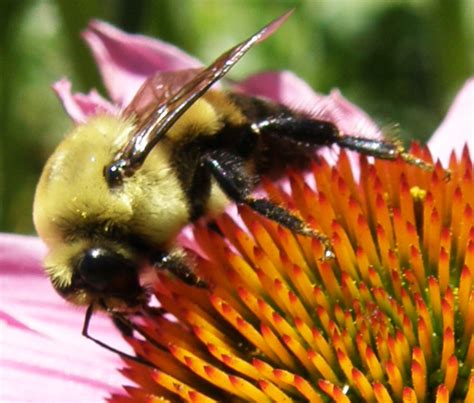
391 318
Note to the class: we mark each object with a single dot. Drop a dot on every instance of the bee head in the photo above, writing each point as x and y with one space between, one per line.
97 274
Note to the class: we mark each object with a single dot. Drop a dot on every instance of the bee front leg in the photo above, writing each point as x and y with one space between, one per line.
228 171
177 263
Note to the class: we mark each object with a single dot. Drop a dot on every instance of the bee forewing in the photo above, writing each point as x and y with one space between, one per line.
160 118
157 90
269 29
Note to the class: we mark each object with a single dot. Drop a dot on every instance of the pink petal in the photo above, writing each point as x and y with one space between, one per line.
30 249
283 87
44 357
290 90
80 107
126 60
457 128
349 118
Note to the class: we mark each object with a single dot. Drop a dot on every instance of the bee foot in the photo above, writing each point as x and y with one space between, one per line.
328 253
447 175
200 283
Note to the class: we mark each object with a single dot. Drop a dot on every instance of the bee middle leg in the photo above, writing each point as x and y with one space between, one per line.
228 171
176 262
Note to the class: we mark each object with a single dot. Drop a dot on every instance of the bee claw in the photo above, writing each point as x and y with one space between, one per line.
447 175
201 284
328 253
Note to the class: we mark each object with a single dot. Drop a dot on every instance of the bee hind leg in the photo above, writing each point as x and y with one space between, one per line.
227 170
315 133
382 149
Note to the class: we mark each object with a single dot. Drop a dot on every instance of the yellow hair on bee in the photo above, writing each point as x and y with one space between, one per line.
72 185
57 264
200 118
72 191
206 117
227 111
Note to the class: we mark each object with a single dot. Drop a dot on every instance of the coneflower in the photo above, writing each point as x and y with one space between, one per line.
391 318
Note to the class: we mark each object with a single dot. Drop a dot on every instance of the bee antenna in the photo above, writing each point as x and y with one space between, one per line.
85 333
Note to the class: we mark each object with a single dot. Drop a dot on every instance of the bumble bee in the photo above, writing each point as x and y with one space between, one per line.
118 189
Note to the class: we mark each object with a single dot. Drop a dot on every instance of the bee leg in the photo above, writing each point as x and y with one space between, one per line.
85 333
314 133
382 149
176 263
227 170
212 226
124 328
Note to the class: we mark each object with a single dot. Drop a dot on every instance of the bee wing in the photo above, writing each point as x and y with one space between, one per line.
165 113
157 90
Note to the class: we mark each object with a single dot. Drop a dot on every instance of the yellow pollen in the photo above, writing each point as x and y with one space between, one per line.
417 194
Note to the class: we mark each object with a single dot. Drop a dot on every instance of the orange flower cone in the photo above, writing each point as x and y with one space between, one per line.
391 318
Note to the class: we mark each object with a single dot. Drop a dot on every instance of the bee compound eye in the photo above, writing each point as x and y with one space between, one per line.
113 173
104 270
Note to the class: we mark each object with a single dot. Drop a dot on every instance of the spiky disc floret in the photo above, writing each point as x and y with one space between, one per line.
390 319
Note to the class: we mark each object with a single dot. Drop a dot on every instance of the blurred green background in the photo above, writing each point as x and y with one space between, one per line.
401 61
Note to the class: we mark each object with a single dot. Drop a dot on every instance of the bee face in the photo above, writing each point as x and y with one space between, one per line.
98 274
79 219
90 227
